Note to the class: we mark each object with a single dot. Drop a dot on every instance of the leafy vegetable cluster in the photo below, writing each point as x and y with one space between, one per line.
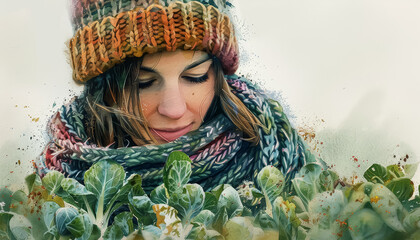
109 206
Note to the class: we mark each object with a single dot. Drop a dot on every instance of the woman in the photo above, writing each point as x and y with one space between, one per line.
159 77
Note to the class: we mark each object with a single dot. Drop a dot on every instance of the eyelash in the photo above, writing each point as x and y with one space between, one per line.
144 85
197 80
200 79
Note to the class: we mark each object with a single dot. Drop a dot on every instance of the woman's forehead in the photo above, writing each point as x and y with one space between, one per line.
178 58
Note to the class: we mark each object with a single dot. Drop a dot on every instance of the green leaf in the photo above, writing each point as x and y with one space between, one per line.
242 228
104 179
414 236
230 200
412 220
387 205
6 198
133 187
265 221
205 217
210 202
78 195
326 180
176 172
52 181
256 193
4 235
151 232
284 213
75 200
368 186
22 232
141 207
200 232
247 212
358 193
301 233
189 202
174 157
366 224
169 222
135 182
395 170
219 189
17 198
319 233
96 233
403 188
410 170
271 182
220 220
376 174
76 226
326 207
48 212
20 227
158 195
30 209
300 207
412 204
63 217
113 232
33 180
356 201
51 234
4 224
124 221
304 182
88 225
73 187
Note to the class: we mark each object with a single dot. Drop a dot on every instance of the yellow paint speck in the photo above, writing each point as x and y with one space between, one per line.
374 199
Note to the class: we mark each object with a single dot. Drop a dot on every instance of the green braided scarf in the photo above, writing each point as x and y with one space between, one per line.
218 153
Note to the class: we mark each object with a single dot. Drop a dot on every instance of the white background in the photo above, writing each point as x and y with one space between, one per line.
349 70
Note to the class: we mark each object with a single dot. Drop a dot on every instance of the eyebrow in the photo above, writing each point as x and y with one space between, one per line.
199 62
192 65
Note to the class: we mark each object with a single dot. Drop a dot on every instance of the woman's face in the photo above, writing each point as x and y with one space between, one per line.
176 90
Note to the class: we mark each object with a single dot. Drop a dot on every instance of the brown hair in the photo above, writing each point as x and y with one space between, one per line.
113 110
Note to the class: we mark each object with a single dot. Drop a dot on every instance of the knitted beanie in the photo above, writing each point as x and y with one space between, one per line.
109 31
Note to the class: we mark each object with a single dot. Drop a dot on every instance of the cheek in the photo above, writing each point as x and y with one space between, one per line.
149 103
200 97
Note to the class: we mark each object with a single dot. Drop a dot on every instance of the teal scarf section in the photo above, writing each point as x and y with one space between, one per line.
217 150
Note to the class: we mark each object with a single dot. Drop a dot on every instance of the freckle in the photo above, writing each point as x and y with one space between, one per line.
193 94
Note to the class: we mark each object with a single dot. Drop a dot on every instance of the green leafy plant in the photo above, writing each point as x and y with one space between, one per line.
110 206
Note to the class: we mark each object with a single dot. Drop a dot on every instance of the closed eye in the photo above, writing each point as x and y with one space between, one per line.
200 79
146 84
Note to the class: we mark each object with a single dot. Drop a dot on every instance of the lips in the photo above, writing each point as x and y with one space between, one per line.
170 135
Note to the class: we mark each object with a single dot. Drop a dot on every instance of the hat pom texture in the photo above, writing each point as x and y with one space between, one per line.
109 31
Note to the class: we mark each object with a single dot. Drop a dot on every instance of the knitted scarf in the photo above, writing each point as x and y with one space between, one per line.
218 153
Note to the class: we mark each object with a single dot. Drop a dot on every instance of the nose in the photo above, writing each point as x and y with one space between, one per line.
172 104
